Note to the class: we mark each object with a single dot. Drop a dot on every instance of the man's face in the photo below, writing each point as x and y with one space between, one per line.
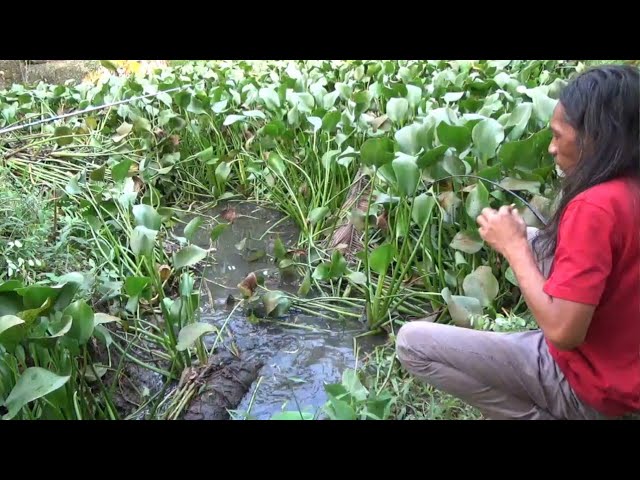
564 145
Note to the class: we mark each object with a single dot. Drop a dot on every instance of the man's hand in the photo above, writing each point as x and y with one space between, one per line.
504 230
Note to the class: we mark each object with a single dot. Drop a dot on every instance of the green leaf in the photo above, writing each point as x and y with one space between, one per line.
407 174
518 119
141 124
217 231
422 208
143 240
134 286
189 255
358 278
120 171
397 109
381 258
66 133
317 214
231 119
292 415
192 228
330 121
431 157
34 383
35 296
146 216
481 284
408 138
189 334
353 385
458 137
276 163
461 308
340 410
8 321
511 277
517 184
477 199
487 135
466 243
270 98
377 152
276 303
82 326
98 174
223 170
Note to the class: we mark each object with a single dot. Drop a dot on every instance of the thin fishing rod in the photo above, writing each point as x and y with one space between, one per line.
87 110
537 214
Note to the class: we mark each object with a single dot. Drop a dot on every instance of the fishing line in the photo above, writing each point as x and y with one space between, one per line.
87 110
537 214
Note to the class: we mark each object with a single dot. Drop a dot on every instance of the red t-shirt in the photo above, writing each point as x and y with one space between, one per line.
597 262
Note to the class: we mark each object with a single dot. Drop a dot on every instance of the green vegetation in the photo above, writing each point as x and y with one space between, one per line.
376 162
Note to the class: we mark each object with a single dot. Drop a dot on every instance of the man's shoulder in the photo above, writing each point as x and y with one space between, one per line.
609 196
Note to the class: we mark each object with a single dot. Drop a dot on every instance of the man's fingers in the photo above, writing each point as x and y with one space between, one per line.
482 221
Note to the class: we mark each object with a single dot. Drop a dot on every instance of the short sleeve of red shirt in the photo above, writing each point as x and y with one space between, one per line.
583 257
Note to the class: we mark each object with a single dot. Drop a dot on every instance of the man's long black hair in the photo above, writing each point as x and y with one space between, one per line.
603 105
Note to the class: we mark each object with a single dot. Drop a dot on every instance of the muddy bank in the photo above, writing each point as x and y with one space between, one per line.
54 71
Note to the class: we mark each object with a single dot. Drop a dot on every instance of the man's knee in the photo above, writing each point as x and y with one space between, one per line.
410 343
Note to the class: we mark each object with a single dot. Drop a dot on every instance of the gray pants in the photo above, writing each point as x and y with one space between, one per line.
504 375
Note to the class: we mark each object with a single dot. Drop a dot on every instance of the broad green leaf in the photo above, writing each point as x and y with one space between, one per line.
487 135
453 96
189 334
317 214
276 303
358 278
466 243
98 174
316 122
381 258
35 296
431 156
66 135
543 106
192 228
461 307
330 121
481 284
231 119
407 138
189 255
458 137
519 119
218 230
34 383
82 326
422 207
397 109
517 184
340 410
511 277
100 318
223 170
8 321
377 152
146 216
134 286
477 199
276 163
292 415
143 240
120 170
270 98
414 95
407 174
353 385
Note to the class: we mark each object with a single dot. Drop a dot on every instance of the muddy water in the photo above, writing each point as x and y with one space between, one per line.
298 358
